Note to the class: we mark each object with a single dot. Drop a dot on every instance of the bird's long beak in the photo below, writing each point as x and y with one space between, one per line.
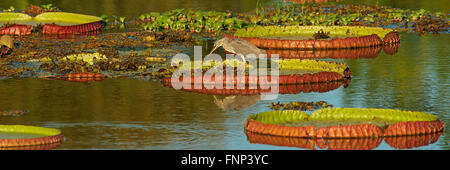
215 47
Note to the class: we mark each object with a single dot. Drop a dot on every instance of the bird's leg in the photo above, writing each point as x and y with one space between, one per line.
215 99
243 59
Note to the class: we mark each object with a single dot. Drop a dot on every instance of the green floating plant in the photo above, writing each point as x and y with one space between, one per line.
262 31
190 20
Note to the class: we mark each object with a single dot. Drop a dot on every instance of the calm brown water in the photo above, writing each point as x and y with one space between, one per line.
142 114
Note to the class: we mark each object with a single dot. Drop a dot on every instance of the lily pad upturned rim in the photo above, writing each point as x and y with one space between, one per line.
401 123
79 23
50 135
49 17
360 36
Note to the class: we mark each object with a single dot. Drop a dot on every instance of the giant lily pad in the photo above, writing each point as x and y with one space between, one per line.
20 135
301 37
54 23
397 142
353 53
343 123
294 76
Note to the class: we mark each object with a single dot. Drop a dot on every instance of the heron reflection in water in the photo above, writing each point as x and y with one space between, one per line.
238 46
236 102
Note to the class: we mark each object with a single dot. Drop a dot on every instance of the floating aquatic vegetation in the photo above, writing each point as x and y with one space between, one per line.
391 38
427 24
200 64
321 35
315 65
118 52
368 15
156 59
79 77
20 135
33 147
72 23
311 1
89 58
9 17
297 72
82 28
65 17
300 105
6 43
34 10
343 123
13 112
289 15
15 29
355 37
41 60
190 20
309 75
4 50
7 70
398 142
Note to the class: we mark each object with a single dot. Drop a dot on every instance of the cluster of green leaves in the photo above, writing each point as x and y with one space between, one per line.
50 7
10 9
114 20
406 14
190 20
288 14
47 7
283 14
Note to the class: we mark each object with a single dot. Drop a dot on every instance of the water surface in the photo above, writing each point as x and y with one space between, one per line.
144 114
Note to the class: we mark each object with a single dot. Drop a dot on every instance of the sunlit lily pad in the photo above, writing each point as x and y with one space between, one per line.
343 123
303 37
20 135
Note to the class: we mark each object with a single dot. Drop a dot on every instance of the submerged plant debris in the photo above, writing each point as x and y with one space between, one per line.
38 55
304 106
12 112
